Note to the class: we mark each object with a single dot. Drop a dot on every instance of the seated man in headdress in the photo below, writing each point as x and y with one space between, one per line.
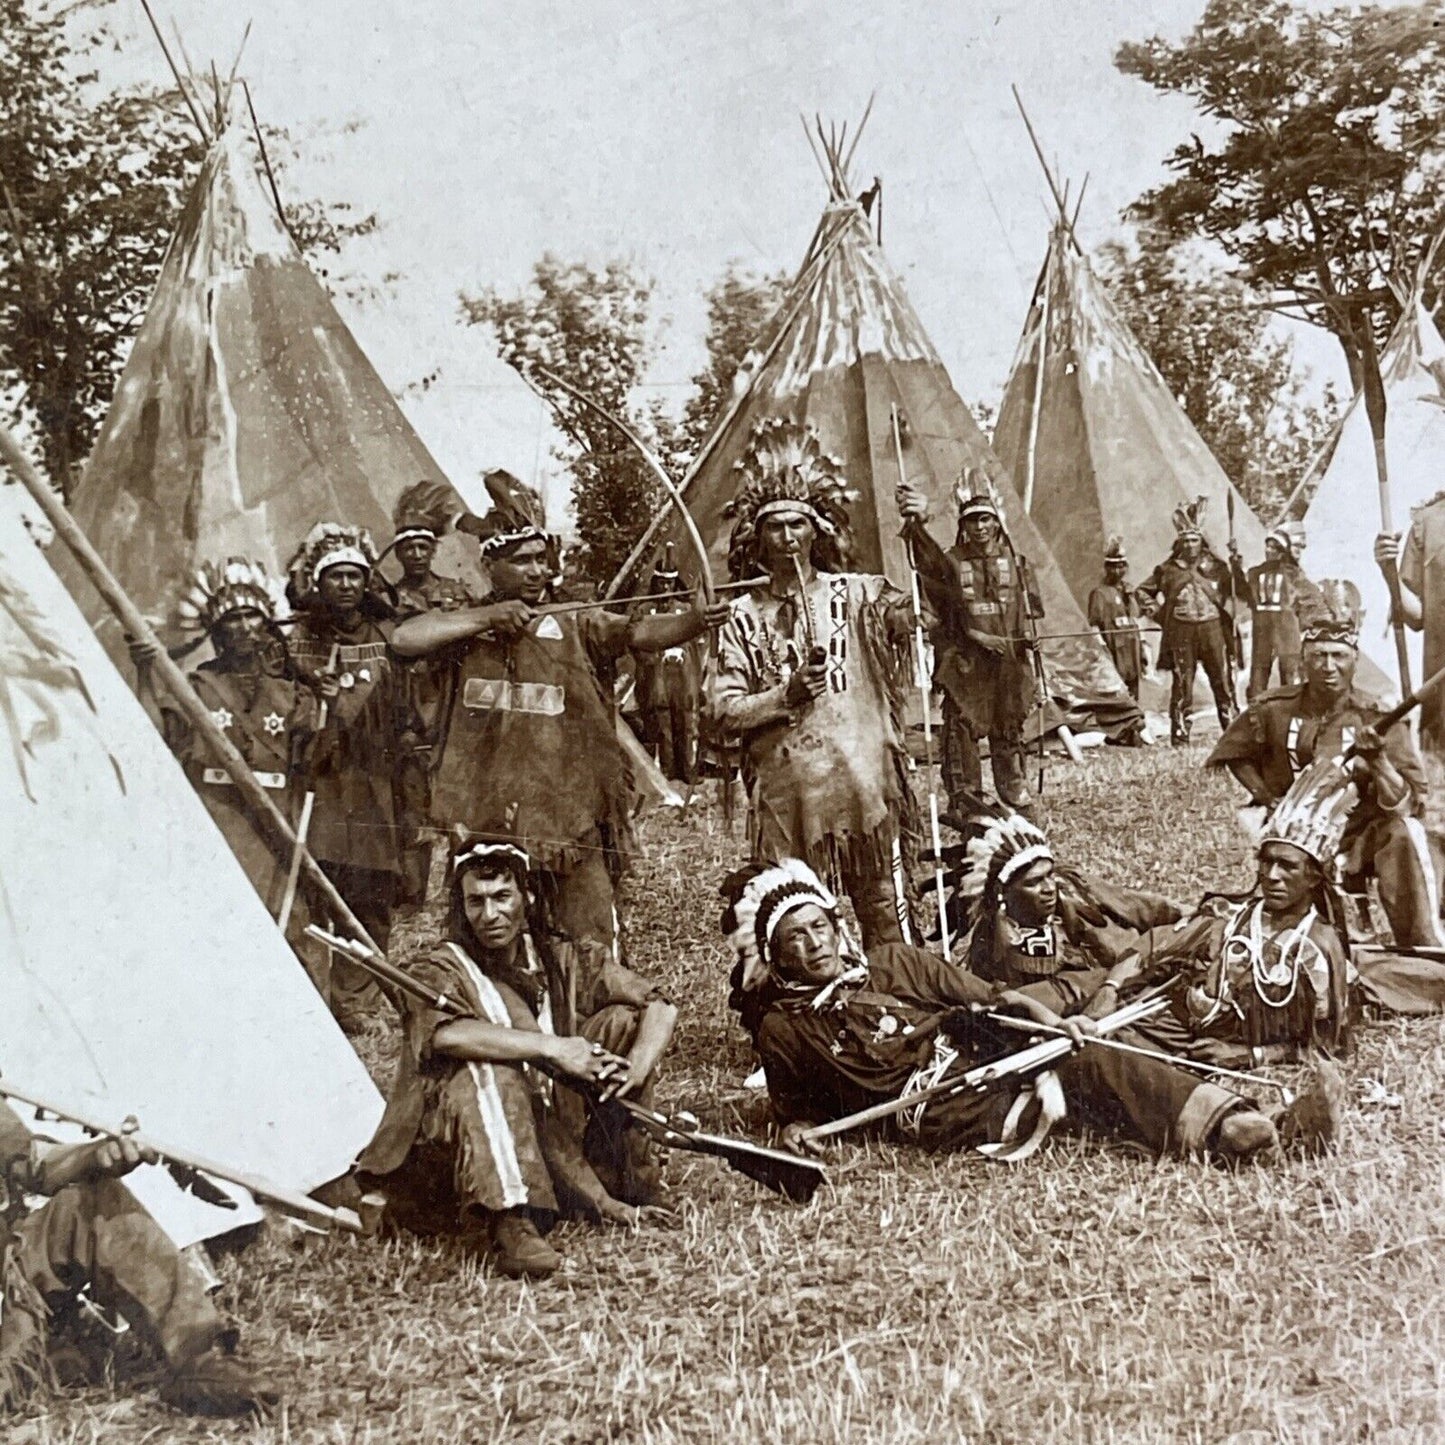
985 600
422 516
1188 592
1281 732
1269 969
839 1031
254 698
529 746
809 674
484 1132
91 1234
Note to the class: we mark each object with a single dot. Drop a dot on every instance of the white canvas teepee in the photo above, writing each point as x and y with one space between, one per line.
246 411
1344 514
140 972
845 349
1097 443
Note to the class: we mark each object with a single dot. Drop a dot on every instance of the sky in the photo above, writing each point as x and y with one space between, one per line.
484 133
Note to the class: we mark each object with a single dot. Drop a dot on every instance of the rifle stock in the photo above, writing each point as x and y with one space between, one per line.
290 1201
787 1174
1021 1065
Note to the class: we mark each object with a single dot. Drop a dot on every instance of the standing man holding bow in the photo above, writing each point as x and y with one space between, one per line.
528 745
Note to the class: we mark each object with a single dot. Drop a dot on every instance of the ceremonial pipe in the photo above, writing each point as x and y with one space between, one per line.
1198 1066
1031 1060
290 1200
925 690
195 711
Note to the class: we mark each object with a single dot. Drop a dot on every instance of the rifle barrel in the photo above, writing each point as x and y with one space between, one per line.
290 1200
1027 1061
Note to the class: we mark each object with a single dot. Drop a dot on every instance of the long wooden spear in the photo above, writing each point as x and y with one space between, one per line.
196 713
925 690
1375 409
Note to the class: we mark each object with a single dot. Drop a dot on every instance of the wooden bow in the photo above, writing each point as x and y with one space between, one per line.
709 590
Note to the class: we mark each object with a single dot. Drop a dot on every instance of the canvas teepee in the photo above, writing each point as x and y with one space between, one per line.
1095 442
245 413
845 348
140 972
1343 514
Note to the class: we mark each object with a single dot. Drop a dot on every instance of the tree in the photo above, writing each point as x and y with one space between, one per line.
91 184
739 307
592 326
1320 179
1234 379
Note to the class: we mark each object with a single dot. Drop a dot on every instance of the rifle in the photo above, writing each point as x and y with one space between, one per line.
190 1170
787 1174
1023 1064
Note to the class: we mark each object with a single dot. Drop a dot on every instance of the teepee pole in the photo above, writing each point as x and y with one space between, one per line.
176 71
920 661
1038 403
197 714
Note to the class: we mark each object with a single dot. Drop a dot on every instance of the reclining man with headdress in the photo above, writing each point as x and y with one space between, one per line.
1269 974
528 744
1281 732
484 1133
839 1031
809 674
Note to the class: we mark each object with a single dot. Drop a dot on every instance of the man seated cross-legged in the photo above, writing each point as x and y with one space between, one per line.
486 1133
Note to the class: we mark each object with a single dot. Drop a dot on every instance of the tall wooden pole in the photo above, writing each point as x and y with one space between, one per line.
1375 409
262 807
1038 384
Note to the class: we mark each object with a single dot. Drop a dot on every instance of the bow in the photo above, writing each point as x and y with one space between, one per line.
709 591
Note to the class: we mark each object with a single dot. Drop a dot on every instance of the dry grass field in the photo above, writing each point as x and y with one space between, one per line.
1090 1294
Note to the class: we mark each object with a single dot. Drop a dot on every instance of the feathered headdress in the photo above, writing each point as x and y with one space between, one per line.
1313 814
1189 518
976 495
785 469
759 903
328 544
1332 613
221 588
1002 849
426 509
665 576
518 515
1115 552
